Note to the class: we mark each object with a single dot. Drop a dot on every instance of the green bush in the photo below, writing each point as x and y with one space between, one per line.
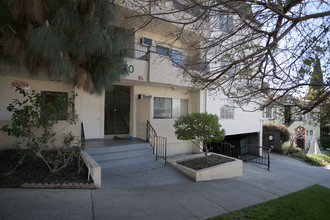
36 129
286 147
199 127
285 134
300 155
324 158
325 142
314 159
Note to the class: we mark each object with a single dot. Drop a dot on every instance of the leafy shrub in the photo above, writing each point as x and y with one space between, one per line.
325 142
313 159
285 134
36 132
324 158
300 155
199 127
286 148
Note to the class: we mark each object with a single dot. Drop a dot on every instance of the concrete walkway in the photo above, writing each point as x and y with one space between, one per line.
182 200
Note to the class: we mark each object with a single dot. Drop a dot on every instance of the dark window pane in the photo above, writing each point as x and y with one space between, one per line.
162 107
176 58
51 97
162 50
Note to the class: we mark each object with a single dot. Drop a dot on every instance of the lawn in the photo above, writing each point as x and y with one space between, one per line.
310 203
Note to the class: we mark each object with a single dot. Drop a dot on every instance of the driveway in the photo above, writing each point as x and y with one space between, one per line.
171 200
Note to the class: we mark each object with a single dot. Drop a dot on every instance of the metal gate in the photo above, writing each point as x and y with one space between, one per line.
249 153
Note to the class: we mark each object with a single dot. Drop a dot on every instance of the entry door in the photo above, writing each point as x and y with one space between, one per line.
300 137
117 110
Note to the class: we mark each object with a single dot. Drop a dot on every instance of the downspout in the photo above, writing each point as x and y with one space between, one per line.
260 137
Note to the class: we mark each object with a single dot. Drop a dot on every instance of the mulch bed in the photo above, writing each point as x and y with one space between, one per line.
34 170
200 162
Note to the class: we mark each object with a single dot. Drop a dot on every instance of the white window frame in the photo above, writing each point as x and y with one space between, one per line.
171 116
227 110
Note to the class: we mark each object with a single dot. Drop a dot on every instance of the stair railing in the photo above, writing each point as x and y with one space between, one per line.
82 134
157 143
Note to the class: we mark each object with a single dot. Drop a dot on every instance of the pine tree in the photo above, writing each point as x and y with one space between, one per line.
70 39
316 85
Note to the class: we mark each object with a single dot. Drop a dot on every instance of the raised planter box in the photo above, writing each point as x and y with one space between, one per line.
221 171
94 169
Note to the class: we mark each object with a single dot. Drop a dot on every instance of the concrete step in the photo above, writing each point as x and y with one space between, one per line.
132 168
121 154
126 161
123 148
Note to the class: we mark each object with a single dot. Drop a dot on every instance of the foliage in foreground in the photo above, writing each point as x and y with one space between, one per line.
310 203
199 128
71 40
290 148
313 159
33 122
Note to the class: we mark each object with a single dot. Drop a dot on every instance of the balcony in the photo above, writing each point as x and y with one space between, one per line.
137 63
160 65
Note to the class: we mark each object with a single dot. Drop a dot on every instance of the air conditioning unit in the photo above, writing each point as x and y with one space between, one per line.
146 41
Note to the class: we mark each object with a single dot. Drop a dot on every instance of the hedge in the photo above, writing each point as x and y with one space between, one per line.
285 134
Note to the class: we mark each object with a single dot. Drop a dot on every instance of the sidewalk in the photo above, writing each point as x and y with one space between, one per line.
182 200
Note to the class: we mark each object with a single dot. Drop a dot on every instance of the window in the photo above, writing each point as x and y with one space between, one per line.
176 58
268 112
226 109
194 11
174 54
170 108
162 107
226 23
49 97
179 107
287 114
162 50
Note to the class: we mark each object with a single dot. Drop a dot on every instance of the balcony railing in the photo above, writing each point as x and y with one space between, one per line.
138 51
141 52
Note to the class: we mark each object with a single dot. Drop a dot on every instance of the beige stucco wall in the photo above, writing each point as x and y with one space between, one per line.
7 93
143 113
163 127
162 71
62 128
139 70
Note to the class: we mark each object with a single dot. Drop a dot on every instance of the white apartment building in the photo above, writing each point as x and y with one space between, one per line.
155 90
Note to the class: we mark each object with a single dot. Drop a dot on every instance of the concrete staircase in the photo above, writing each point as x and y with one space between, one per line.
124 159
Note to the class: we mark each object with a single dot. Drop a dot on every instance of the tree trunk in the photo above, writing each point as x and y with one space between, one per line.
206 152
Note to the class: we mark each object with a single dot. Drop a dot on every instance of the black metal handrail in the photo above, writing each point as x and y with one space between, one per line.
257 154
82 134
248 153
157 143
224 148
